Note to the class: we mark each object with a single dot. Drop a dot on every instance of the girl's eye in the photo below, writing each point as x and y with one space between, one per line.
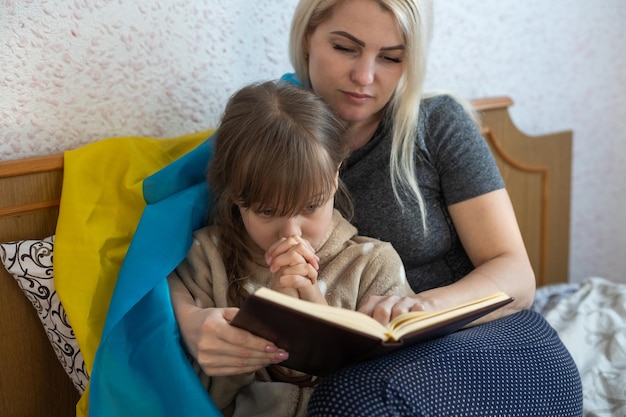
311 208
266 212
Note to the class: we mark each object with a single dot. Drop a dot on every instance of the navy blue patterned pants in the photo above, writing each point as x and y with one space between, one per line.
513 366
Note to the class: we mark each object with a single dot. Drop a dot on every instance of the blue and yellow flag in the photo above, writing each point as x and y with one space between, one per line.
127 211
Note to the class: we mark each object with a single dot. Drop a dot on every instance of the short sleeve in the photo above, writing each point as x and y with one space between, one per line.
458 151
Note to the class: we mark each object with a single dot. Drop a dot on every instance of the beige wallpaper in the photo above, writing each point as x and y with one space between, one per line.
78 71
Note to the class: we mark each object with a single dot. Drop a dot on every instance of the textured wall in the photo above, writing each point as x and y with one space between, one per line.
564 64
75 72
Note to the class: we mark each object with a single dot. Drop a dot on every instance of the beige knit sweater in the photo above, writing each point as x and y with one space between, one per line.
352 268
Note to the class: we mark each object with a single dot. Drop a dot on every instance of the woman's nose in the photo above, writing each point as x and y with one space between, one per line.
363 71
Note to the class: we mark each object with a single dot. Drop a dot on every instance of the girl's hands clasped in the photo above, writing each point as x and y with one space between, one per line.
294 264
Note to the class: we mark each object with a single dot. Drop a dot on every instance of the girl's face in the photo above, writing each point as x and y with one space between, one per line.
356 58
265 227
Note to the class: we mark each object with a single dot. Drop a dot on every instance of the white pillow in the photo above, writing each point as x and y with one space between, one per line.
30 263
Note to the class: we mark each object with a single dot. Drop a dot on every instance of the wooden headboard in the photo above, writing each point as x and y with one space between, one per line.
32 379
536 170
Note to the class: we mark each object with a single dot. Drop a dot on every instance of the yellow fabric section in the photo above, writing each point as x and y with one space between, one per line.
82 408
101 204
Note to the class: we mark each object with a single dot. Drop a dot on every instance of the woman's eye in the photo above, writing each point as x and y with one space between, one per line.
392 59
341 48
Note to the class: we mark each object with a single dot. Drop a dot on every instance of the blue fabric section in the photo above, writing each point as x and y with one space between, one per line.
183 173
141 370
162 239
140 366
292 78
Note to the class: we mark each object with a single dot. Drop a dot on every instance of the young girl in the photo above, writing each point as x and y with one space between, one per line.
274 175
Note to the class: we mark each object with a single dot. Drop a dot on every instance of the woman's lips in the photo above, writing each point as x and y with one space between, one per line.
357 98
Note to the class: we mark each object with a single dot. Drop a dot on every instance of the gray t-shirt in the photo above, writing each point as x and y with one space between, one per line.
454 164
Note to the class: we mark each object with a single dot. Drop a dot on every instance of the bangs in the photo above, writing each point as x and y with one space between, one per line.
299 176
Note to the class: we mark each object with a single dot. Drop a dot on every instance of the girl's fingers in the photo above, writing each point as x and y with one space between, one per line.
290 252
293 244
289 258
297 276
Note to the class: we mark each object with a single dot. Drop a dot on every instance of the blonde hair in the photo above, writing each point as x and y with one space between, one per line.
278 146
415 20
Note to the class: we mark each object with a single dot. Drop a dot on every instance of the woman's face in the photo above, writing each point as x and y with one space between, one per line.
356 58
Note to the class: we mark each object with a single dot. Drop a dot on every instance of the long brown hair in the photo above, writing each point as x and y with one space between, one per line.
277 146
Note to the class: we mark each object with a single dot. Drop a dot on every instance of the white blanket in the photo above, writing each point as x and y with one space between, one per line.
591 321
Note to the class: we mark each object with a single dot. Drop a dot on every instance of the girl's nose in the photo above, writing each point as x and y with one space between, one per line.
290 226
363 71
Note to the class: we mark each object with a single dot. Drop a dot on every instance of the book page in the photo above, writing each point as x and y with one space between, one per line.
413 321
347 318
397 328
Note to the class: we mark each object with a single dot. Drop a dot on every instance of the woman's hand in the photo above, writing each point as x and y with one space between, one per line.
294 266
385 308
219 348
222 349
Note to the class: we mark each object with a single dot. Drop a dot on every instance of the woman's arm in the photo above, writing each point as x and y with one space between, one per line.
489 233
219 348
491 237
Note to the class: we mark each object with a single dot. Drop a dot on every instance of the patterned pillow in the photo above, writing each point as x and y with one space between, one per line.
30 263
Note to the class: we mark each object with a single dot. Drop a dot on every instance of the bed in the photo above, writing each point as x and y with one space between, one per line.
39 373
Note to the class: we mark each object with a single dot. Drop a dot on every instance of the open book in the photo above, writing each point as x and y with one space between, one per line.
321 339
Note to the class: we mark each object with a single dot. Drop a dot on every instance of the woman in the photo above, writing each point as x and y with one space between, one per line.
421 177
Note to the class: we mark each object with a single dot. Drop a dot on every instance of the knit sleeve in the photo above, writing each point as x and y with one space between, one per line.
384 274
200 271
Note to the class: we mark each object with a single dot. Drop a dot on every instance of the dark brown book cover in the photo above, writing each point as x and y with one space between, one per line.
320 347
